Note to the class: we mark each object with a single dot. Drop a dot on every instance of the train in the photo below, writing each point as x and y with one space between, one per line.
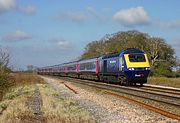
126 67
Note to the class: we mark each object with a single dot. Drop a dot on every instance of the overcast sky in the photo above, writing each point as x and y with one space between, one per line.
47 32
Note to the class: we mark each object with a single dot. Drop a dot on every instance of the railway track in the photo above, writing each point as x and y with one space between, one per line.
159 95
171 91
171 97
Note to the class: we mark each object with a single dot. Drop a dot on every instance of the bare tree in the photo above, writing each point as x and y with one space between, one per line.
4 58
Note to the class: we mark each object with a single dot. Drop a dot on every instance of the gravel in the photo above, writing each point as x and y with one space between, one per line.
105 108
35 102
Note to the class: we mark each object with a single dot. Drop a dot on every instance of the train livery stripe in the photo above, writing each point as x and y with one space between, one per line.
96 65
76 68
136 64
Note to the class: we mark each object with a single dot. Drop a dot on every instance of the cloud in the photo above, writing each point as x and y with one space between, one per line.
16 36
77 17
61 43
168 24
29 10
6 5
89 13
132 17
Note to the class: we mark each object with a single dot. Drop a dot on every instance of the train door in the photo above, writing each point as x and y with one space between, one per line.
121 63
105 66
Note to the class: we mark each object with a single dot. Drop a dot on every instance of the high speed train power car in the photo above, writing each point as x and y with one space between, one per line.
126 67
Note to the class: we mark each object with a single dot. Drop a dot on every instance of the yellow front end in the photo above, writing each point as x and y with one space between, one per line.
144 64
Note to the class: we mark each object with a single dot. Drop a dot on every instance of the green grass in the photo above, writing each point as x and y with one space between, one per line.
164 81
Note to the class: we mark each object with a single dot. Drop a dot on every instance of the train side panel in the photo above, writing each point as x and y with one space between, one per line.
88 66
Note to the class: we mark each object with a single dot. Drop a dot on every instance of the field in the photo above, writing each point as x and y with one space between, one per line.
164 81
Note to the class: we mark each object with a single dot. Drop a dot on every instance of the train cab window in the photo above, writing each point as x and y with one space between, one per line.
137 58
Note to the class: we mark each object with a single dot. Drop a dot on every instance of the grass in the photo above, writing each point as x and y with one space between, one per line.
27 79
13 104
59 110
19 79
164 81
14 108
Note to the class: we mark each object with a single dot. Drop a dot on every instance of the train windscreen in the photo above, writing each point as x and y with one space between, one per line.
137 58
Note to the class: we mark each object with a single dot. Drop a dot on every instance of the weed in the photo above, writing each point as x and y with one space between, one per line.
3 106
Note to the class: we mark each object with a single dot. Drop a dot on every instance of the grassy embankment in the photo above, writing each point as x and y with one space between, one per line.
164 81
14 109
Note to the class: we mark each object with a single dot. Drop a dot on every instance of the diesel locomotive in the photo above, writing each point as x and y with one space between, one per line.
126 67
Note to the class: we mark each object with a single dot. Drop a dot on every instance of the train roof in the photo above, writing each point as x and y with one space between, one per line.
111 55
88 59
127 51
132 50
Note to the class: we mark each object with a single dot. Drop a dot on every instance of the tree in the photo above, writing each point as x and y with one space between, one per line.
4 71
159 52
4 58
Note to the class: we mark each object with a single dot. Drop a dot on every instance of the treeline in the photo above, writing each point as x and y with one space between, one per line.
161 55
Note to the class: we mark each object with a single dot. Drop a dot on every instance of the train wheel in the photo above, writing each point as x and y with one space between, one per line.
141 84
120 80
127 83
124 81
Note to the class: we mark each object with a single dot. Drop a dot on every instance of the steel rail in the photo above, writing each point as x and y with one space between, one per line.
173 93
114 93
155 96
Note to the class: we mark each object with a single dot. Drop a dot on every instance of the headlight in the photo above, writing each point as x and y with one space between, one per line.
131 68
147 68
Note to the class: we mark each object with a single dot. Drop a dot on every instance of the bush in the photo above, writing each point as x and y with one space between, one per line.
6 81
162 70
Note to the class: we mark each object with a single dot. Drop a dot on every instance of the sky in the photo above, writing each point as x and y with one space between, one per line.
48 32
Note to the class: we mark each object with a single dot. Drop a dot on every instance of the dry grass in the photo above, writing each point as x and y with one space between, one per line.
27 79
172 82
16 92
14 104
16 80
57 110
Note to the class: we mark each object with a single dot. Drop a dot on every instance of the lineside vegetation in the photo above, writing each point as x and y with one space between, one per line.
14 107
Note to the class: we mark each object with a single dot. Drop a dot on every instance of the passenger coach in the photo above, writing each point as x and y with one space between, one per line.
127 67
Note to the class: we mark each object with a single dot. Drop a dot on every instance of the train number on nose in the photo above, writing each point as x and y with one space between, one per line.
139 75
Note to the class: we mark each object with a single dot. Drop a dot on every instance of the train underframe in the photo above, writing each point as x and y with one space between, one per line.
108 78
